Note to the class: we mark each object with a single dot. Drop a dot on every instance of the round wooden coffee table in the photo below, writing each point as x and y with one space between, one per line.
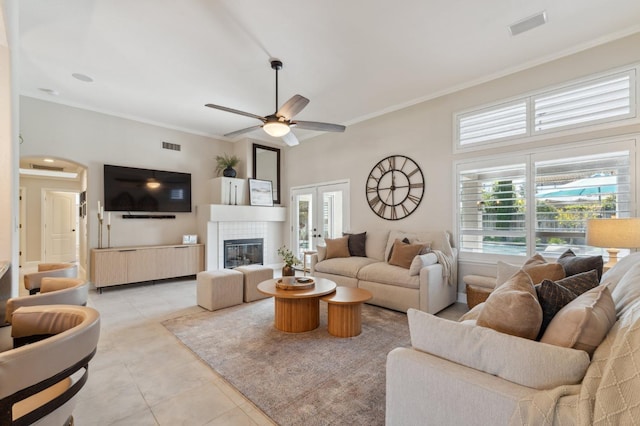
345 310
297 310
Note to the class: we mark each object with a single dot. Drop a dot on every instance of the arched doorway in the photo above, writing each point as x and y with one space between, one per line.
53 223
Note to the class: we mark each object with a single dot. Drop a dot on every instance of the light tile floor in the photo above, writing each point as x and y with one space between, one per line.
142 375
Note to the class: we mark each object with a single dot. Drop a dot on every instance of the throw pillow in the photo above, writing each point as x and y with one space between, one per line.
420 261
521 361
357 244
536 266
513 308
573 264
584 322
337 247
555 295
402 254
404 240
552 297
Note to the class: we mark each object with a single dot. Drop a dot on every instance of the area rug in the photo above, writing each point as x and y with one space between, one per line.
307 378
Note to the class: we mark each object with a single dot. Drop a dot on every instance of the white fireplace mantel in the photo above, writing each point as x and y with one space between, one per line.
219 221
233 213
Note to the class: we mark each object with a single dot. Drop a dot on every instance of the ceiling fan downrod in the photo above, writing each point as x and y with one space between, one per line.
276 64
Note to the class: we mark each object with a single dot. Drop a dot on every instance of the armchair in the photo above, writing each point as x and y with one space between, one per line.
32 280
53 291
39 381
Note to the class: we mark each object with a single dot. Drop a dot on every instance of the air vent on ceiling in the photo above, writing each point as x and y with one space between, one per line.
172 146
50 168
528 23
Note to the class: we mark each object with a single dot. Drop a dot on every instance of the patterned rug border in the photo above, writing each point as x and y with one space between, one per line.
335 381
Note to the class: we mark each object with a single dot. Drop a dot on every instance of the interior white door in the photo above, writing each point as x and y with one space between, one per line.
319 212
61 218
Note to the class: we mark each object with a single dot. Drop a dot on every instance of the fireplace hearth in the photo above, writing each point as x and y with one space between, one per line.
248 251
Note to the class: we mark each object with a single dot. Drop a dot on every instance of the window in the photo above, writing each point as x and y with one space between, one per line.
608 98
539 202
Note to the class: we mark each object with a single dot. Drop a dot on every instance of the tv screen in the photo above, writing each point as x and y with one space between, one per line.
143 190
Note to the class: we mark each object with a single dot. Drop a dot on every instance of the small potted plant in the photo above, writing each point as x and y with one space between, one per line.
289 261
225 164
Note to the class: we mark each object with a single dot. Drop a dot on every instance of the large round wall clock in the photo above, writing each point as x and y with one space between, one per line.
395 187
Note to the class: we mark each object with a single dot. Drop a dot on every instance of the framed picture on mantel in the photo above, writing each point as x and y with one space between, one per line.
260 192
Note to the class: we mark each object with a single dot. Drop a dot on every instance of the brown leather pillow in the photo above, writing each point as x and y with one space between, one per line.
337 247
402 254
513 308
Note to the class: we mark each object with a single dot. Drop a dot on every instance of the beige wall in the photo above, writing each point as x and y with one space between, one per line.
93 139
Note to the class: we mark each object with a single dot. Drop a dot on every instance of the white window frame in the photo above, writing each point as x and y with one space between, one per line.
533 136
530 157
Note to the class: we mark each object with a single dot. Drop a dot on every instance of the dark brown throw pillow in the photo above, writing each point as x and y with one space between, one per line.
357 244
580 283
573 264
552 297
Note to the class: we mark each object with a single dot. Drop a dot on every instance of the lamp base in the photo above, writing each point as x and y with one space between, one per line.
613 259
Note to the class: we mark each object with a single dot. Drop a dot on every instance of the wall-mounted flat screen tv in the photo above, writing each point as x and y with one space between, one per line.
144 190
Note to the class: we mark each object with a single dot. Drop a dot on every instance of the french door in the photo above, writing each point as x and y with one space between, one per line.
319 211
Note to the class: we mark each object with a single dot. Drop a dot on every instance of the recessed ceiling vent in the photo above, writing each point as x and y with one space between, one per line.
172 146
528 23
50 168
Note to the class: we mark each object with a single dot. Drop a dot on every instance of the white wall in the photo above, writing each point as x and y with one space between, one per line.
423 132
93 139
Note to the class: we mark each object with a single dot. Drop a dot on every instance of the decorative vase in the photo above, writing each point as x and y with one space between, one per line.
288 271
229 172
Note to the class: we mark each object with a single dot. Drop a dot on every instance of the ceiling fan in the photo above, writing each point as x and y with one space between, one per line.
279 123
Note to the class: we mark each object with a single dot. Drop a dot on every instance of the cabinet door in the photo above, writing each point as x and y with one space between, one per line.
180 261
108 268
142 265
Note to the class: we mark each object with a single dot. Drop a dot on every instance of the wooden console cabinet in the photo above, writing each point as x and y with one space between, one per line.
124 265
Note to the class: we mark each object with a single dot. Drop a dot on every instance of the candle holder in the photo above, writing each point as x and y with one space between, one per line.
99 231
108 235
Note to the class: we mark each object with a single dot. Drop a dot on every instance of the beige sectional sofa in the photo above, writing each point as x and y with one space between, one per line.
431 289
461 373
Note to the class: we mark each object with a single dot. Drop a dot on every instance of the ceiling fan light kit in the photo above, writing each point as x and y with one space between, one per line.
279 123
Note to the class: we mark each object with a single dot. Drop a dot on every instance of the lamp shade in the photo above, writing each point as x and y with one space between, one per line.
276 128
615 233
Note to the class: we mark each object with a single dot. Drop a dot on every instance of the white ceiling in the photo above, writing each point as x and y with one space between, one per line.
160 61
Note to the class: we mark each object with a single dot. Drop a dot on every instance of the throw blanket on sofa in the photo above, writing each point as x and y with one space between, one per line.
446 263
610 388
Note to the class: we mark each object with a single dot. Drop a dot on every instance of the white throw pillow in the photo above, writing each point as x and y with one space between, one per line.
421 261
522 361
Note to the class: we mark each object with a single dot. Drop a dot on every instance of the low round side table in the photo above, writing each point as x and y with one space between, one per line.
345 311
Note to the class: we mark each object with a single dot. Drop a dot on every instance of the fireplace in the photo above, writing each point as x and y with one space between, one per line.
247 251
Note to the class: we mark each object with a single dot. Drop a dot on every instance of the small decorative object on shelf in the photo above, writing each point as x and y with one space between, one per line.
225 164
109 230
100 219
289 261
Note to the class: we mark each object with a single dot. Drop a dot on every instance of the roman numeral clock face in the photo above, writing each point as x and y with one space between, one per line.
395 187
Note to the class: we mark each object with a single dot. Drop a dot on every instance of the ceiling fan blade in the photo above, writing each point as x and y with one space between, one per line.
242 131
323 127
292 107
235 111
290 139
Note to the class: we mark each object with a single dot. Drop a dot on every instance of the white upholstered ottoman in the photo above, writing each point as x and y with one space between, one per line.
219 289
254 275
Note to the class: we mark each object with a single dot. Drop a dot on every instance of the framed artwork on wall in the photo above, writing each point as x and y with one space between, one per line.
260 192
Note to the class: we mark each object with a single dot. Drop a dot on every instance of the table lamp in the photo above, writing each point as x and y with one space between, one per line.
613 234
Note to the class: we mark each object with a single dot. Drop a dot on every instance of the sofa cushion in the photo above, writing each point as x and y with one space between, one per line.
627 291
513 308
345 266
337 247
615 274
357 244
420 261
573 264
525 362
402 254
376 243
584 322
383 273
537 268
